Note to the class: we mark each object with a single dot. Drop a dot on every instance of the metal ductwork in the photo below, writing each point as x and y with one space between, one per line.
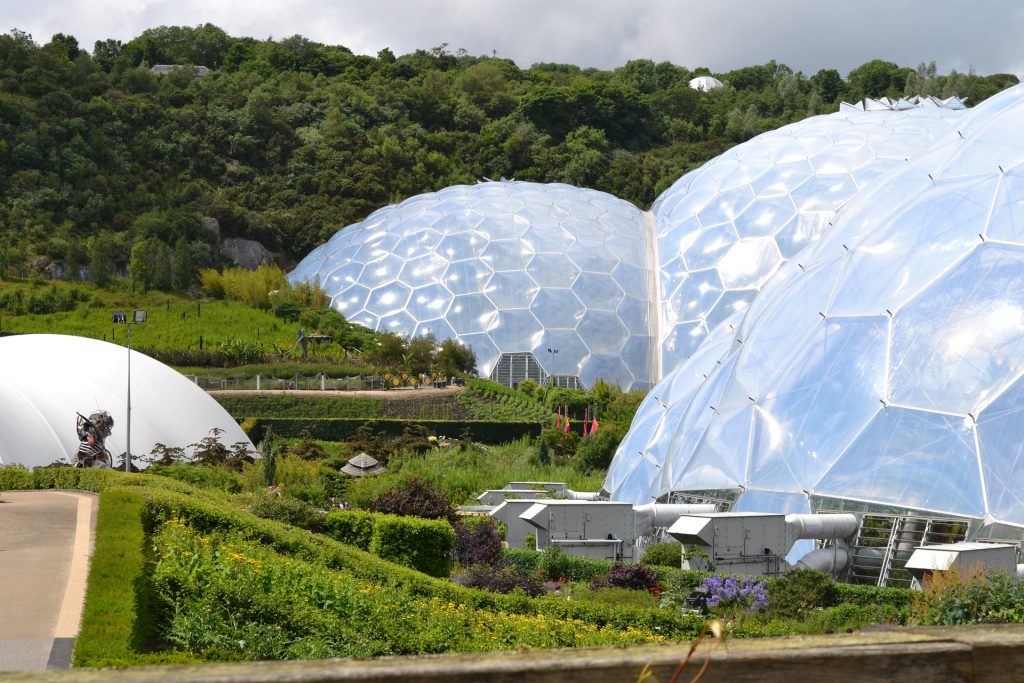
821 526
757 543
662 515
832 560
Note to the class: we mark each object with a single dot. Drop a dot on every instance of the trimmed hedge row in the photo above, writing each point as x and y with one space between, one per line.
117 622
339 429
423 544
17 477
208 516
273 405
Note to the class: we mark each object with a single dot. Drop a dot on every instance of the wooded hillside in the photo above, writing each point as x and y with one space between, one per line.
286 141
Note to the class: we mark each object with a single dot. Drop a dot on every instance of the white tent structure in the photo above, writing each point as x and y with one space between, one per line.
45 379
706 83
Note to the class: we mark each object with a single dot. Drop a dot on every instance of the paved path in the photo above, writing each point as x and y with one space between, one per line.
46 538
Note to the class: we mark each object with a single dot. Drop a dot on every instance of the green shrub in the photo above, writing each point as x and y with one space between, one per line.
423 544
596 451
951 599
200 476
288 510
663 555
556 564
799 591
617 597
872 595
352 527
15 477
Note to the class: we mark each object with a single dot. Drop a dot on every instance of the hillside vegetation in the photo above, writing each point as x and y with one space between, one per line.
106 165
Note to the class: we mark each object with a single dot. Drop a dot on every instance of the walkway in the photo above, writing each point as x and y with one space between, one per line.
46 538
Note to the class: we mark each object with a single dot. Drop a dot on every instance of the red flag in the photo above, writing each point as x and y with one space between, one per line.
593 426
558 420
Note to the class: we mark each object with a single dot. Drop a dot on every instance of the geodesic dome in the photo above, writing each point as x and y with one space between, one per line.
46 379
723 229
551 277
882 368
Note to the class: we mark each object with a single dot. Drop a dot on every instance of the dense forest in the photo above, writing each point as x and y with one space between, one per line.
106 165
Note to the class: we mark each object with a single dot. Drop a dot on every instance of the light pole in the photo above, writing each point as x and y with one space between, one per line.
552 373
120 317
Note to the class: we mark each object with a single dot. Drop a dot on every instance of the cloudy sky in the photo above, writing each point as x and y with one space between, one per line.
720 34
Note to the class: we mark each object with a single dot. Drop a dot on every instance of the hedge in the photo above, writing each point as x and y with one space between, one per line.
117 622
339 429
351 527
422 544
273 405
209 515
17 477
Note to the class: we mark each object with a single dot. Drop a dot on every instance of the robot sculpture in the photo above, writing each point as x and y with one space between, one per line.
92 434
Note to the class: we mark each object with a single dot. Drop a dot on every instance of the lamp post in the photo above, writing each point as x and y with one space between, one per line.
120 317
552 373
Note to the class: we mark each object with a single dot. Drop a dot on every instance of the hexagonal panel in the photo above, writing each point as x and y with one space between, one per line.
602 332
597 291
511 289
388 299
429 302
507 255
557 307
471 313
466 277
515 330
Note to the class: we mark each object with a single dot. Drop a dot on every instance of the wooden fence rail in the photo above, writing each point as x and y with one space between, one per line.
941 655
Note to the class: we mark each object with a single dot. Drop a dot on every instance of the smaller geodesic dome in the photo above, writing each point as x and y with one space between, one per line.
542 281
723 229
880 370
46 379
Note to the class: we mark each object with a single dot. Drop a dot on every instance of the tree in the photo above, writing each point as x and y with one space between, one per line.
877 78
140 267
829 84
453 358
184 267
101 259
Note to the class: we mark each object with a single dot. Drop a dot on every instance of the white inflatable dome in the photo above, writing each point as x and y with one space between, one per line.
46 379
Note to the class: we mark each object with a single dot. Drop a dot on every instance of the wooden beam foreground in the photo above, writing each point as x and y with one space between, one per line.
992 653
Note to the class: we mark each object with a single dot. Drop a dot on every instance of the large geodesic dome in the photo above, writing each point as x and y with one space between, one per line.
542 281
723 229
882 368
47 379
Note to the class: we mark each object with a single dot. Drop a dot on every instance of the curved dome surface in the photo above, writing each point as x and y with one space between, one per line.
886 368
46 379
723 229
506 268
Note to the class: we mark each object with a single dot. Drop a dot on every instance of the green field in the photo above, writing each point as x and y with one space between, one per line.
175 322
